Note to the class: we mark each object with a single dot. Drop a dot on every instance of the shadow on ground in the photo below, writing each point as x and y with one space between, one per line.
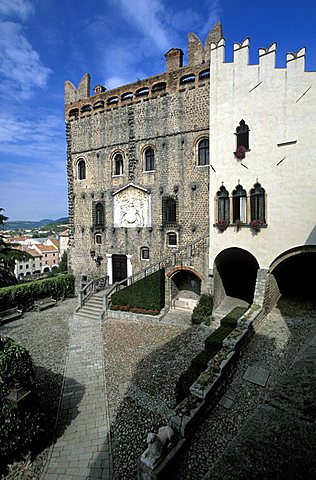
150 394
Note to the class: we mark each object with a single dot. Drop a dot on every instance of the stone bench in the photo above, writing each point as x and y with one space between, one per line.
44 303
10 314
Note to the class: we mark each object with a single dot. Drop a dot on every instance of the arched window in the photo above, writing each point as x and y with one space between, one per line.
169 211
149 160
239 204
81 169
203 152
144 253
242 134
99 215
223 210
118 164
257 203
172 239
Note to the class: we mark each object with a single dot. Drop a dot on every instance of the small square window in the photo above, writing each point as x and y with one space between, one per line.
144 253
98 239
172 239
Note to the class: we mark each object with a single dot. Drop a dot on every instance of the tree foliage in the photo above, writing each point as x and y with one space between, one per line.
8 256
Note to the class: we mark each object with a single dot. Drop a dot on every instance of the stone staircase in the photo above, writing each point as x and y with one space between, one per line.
93 307
94 298
185 300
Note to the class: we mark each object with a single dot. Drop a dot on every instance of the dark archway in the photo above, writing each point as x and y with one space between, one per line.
294 273
236 272
186 280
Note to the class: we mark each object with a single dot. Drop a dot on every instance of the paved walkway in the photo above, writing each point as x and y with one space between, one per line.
83 447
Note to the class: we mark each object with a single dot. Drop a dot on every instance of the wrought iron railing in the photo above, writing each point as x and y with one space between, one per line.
94 286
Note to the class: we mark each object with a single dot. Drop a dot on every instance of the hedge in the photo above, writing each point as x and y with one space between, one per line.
213 344
24 295
148 293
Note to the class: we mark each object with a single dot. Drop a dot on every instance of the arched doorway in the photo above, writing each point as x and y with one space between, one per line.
235 273
293 272
185 284
186 279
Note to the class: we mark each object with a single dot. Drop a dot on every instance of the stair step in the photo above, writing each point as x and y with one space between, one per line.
185 303
83 315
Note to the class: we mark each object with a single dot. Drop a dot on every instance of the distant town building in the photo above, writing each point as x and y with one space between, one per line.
63 239
30 266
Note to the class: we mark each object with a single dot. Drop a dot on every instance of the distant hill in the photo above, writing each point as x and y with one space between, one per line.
28 224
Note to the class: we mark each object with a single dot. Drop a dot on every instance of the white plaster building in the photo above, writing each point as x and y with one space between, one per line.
274 110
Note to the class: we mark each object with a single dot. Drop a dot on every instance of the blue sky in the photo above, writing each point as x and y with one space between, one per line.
45 42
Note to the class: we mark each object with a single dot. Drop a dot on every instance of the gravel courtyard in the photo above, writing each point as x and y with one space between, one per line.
142 364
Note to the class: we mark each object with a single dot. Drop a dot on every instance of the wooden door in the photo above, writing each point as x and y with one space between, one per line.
119 267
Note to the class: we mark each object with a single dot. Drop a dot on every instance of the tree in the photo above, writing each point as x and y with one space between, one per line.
63 264
8 255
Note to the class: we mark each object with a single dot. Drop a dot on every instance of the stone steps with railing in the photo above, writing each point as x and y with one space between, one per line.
99 287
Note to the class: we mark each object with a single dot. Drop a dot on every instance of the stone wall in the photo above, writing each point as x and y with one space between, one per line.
171 120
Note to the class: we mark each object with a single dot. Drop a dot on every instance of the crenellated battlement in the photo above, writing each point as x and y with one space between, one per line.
79 102
266 56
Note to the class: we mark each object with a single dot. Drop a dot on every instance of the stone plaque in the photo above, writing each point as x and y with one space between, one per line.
132 207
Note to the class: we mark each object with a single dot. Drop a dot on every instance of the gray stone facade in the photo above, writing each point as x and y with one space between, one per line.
168 113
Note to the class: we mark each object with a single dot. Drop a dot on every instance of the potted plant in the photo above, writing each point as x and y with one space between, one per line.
222 225
240 152
255 225
238 224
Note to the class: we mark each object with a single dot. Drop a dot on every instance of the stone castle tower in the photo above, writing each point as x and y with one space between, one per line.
138 167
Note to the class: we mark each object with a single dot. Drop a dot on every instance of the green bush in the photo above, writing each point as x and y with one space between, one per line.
24 295
16 366
148 293
17 426
203 310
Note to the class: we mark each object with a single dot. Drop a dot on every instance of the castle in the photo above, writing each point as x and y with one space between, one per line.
217 152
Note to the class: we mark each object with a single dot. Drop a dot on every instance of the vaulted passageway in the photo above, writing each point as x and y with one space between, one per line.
235 273
295 273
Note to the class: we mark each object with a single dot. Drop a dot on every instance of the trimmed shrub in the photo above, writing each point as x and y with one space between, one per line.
203 310
213 344
230 320
146 294
24 295
215 340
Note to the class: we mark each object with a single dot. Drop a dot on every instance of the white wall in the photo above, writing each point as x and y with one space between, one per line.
279 106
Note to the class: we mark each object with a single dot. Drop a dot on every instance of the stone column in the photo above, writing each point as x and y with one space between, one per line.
129 265
109 267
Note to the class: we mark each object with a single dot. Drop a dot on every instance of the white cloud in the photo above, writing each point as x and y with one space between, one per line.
42 139
20 66
147 16
18 8
21 70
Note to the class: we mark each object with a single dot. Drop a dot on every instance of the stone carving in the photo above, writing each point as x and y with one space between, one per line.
132 208
157 445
